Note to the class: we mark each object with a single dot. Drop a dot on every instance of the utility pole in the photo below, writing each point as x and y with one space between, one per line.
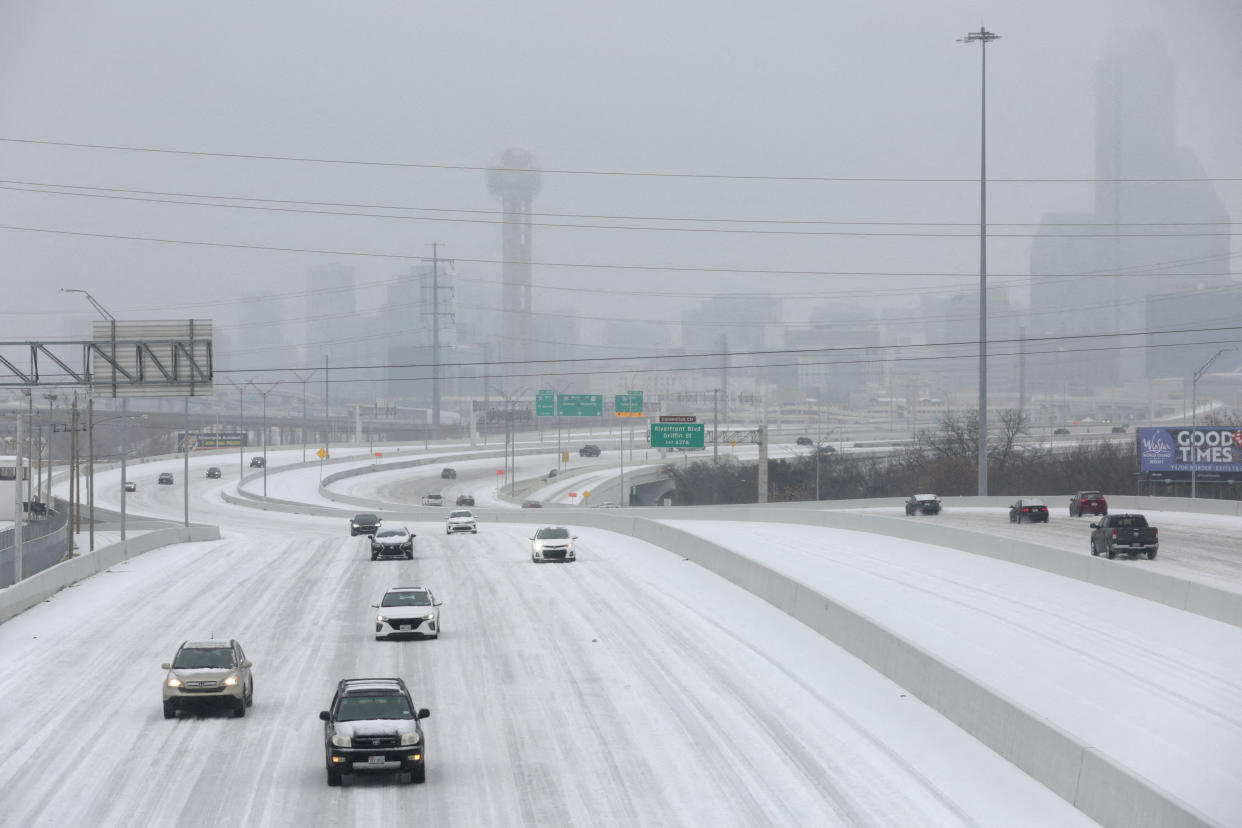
185 466
983 37
327 418
90 466
435 340
715 425
18 517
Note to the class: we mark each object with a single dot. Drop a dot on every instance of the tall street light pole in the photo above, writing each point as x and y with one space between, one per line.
303 379
263 393
1194 409
983 37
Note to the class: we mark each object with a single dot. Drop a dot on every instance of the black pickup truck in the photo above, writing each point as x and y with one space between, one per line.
1124 533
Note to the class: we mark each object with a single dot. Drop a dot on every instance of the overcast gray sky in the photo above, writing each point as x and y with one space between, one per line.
852 89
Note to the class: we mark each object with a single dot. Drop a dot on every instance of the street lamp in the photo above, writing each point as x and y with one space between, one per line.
263 393
51 402
983 37
1194 405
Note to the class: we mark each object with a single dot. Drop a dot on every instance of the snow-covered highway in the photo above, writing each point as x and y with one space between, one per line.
631 687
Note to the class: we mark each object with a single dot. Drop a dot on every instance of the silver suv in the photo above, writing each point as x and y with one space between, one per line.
208 674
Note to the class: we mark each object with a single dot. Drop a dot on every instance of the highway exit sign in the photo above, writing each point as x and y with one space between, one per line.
677 435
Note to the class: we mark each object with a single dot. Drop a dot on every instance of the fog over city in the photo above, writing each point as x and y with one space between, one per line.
740 178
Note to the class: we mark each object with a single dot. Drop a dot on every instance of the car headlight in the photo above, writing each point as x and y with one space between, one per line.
381 618
341 741
431 616
173 681
538 546
230 681
411 738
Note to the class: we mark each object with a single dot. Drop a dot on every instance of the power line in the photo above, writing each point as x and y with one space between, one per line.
25 186
777 351
412 257
588 172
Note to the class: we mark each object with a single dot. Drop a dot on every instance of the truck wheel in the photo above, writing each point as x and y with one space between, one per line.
170 712
418 775
334 778
240 710
1112 553
1151 554
1094 551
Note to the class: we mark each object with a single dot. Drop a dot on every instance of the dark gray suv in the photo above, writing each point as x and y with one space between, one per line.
373 727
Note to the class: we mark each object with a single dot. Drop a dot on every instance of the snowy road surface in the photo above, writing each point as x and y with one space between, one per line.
1157 689
629 688
1206 548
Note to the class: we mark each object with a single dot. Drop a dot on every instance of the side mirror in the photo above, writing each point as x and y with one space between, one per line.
423 713
437 603
325 715
573 537
1095 526
247 664
165 666
375 605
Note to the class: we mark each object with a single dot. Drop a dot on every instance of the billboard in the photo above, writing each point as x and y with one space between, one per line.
203 440
1204 449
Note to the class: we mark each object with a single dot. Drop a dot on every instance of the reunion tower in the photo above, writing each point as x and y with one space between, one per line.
515 180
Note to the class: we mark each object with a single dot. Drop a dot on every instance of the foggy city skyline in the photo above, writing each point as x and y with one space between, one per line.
729 97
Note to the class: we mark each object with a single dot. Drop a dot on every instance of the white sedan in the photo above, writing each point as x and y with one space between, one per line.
552 543
461 520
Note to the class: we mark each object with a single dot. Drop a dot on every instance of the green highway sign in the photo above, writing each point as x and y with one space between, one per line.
677 435
581 405
628 405
545 403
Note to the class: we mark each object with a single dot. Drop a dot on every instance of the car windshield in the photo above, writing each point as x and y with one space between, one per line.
1091 496
200 658
461 514
1131 521
406 599
390 533
388 706
550 532
366 519
1034 504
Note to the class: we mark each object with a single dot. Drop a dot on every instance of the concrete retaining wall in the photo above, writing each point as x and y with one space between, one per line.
1095 784
41 586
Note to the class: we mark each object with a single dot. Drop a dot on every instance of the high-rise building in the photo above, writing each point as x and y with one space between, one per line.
1102 277
516 180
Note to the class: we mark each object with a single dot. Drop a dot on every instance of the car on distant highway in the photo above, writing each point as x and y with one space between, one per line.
589 450
1088 503
827 449
531 504
131 486
1124 533
204 674
1118 429
392 541
433 500
373 727
257 462
552 543
165 479
407 611
213 473
552 473
465 500
804 441
364 523
923 504
1028 510
448 474
461 520
1061 431
607 504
